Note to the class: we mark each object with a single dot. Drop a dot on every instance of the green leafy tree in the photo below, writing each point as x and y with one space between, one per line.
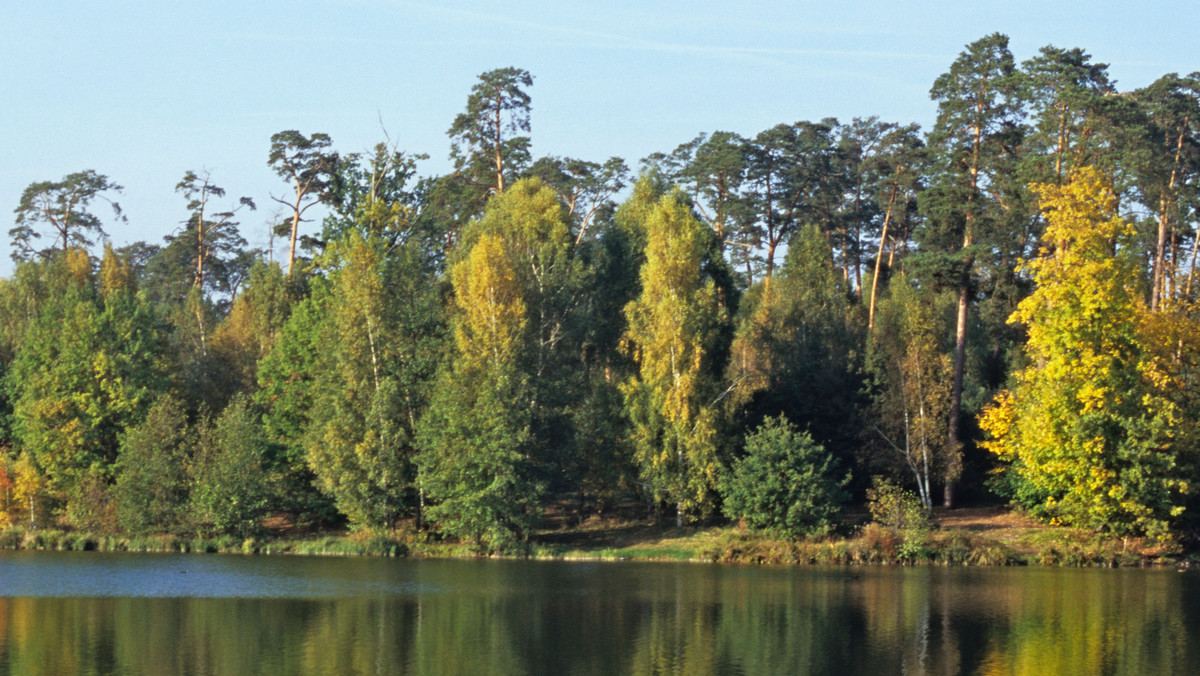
87 368
375 194
151 489
230 491
784 482
286 394
1068 99
1089 429
381 333
61 209
672 327
913 375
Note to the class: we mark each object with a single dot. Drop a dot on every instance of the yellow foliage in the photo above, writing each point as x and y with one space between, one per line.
491 305
1089 426
115 274
28 490
79 266
670 327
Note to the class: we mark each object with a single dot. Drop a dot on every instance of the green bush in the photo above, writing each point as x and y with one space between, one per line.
785 482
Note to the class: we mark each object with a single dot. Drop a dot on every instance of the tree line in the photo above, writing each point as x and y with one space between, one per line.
756 328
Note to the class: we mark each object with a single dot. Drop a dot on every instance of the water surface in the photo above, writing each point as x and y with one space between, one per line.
97 613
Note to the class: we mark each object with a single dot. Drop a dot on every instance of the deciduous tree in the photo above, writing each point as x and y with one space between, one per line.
672 327
475 464
1088 428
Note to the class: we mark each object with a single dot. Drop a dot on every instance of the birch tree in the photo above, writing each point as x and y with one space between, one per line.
670 400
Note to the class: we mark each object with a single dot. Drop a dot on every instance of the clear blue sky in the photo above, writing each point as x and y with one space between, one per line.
144 91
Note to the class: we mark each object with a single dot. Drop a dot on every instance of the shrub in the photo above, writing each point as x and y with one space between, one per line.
901 512
785 482
89 504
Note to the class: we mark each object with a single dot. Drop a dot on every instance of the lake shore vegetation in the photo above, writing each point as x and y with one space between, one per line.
829 342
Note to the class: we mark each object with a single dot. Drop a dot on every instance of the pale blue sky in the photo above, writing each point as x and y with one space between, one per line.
144 91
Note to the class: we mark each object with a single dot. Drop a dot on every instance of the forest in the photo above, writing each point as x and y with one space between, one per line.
759 330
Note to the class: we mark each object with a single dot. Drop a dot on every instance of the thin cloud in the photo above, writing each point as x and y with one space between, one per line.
614 41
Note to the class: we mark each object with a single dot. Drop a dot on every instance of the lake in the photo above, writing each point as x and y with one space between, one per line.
100 613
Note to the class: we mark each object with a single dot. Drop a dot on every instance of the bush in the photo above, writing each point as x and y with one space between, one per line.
89 502
785 482
901 512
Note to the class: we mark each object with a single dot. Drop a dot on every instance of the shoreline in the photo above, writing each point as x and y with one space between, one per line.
981 537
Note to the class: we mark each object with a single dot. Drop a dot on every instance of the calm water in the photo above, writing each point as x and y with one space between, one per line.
92 613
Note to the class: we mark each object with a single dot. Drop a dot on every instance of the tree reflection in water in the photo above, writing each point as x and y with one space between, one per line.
512 617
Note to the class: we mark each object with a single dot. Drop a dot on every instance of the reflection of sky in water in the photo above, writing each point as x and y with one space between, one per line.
99 574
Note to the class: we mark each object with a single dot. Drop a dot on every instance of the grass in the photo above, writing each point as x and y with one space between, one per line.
972 537
964 537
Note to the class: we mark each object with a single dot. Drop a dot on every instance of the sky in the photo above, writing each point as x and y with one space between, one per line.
145 91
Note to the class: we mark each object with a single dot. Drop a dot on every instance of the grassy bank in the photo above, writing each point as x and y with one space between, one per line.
971 537
329 545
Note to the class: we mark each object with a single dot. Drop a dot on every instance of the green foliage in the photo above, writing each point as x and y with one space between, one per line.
485 149
307 164
476 460
912 369
86 369
61 209
476 469
89 501
381 329
798 352
479 342
785 482
248 333
230 491
150 492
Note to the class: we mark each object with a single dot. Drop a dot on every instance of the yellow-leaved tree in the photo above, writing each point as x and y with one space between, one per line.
475 464
1088 429
672 325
